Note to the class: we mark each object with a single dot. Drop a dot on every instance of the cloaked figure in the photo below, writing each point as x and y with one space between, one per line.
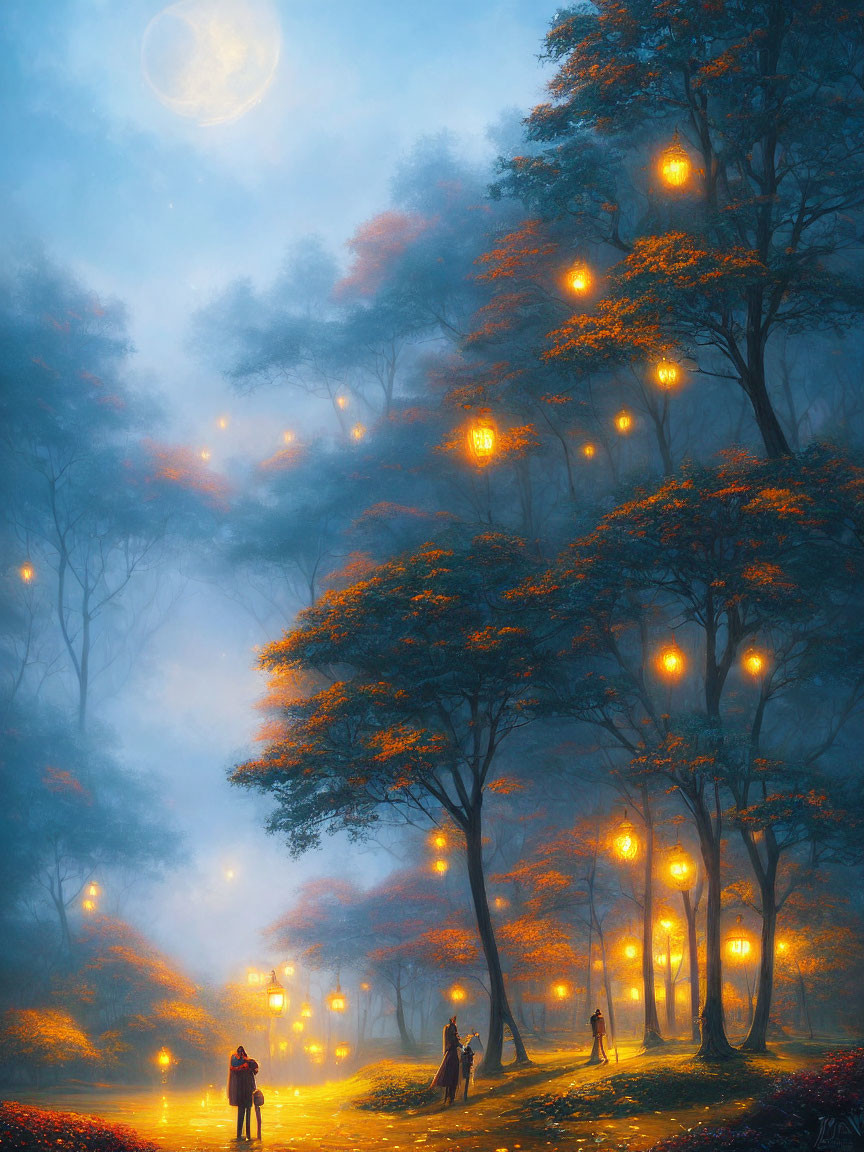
447 1076
598 1031
242 1070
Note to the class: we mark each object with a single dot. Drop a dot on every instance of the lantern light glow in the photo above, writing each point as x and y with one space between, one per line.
579 279
668 374
625 842
624 422
671 661
26 572
675 164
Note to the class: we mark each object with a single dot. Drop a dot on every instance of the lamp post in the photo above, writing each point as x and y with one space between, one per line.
681 873
276 1002
627 847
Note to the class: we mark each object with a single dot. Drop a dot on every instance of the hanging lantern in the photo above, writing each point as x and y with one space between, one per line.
675 164
306 1011
457 994
358 432
754 663
275 995
342 402
560 991
624 422
738 943
588 451
671 661
342 1051
668 374
163 1059
336 1001
625 842
440 866
579 279
205 454
680 869
289 436
26 572
482 437
297 1027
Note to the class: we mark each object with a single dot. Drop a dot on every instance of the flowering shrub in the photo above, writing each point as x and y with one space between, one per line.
786 1119
22 1127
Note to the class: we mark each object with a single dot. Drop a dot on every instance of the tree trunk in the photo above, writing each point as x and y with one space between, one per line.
651 1036
714 1045
499 1008
405 1037
693 962
756 1038
753 383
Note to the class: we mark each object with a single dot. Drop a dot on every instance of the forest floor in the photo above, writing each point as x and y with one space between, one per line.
555 1104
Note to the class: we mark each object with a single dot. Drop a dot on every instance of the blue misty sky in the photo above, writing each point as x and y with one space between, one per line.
161 212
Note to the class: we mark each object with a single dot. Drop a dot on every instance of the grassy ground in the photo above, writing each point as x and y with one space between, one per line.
557 1103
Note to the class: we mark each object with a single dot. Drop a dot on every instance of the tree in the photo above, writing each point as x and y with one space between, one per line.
769 100
728 554
429 675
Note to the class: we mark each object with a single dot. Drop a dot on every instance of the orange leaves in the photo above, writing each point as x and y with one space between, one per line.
176 464
45 1036
22 1126
376 246
506 786
520 253
61 782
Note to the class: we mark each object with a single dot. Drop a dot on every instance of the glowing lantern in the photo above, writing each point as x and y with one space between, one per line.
163 1059
365 987
439 841
753 663
631 951
283 1045
675 164
88 905
342 402
681 869
668 374
342 1051
667 925
222 423
298 1026
358 432
481 440
560 991
782 947
738 945
314 1050
440 866
671 661
624 842
588 451
93 889
336 1001
305 1011
501 902
26 572
579 279
635 994
205 454
275 995
458 994
288 437
624 422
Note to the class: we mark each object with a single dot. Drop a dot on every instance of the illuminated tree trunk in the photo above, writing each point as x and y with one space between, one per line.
651 1036
693 961
766 875
499 1008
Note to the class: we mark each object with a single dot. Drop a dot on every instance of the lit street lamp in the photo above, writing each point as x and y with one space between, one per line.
26 572
671 661
579 279
625 843
668 374
754 663
624 422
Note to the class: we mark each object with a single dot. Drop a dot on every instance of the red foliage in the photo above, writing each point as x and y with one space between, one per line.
24 1127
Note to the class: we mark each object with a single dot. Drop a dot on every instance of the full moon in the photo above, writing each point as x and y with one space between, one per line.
211 60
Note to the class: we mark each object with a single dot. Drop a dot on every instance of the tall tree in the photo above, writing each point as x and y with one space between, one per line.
430 674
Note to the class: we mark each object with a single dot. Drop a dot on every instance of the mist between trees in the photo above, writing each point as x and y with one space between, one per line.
564 523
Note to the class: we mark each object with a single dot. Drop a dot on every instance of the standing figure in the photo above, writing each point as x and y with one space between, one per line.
467 1066
241 1088
447 1076
598 1031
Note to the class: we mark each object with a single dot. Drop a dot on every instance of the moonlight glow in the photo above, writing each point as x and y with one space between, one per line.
211 60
